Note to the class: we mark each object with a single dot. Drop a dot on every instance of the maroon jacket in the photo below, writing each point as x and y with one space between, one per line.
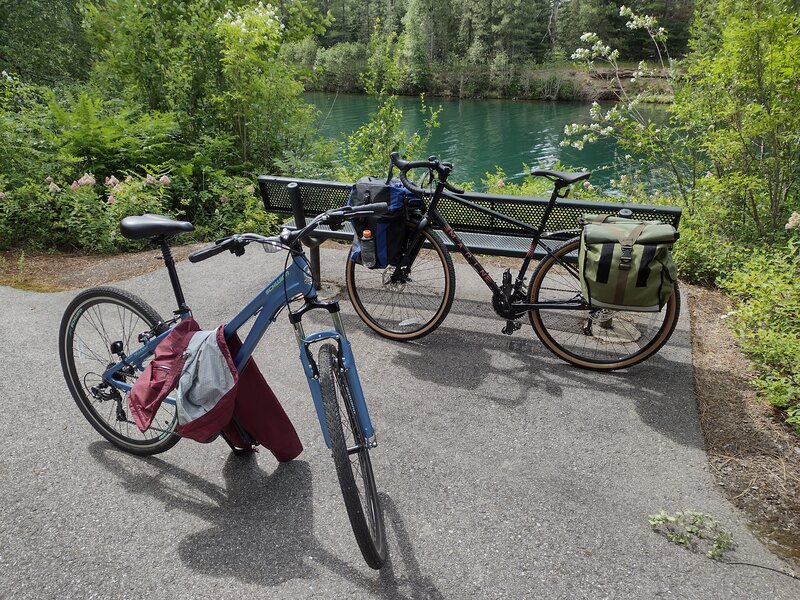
206 408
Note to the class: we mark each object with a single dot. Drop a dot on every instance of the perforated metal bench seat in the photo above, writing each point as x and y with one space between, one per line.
479 243
482 233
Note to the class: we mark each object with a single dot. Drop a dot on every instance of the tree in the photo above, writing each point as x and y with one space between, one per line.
742 98
42 40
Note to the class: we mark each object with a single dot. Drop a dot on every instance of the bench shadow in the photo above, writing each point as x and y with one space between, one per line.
506 369
260 525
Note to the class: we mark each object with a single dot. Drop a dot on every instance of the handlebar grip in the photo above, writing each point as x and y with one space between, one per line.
208 252
415 189
453 188
376 208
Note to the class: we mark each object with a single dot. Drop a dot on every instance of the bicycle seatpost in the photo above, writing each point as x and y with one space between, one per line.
169 262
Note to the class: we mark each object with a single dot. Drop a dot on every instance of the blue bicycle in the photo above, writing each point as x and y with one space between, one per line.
108 336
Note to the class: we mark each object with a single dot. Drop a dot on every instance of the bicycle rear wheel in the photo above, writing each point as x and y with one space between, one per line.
405 306
601 340
351 457
93 321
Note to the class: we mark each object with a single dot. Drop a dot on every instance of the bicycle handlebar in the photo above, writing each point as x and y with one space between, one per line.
287 239
443 169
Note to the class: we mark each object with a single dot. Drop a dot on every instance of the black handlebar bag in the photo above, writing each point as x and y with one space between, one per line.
388 230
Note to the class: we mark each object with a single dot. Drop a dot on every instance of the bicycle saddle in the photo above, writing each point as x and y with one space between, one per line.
146 226
563 178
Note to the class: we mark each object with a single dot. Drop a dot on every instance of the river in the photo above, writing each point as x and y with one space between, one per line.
480 135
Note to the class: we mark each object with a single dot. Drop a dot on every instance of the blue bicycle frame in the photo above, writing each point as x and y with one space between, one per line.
292 283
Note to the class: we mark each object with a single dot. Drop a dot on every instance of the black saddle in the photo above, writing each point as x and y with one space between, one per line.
562 178
148 226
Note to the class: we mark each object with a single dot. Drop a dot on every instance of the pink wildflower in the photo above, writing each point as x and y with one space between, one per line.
48 179
223 199
111 199
75 185
87 179
150 180
794 222
2 195
164 180
111 181
54 189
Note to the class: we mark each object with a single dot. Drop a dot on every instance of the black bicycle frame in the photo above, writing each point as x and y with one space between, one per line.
538 234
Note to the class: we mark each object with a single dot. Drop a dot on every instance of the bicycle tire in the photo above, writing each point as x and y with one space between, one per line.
576 337
92 321
409 310
356 479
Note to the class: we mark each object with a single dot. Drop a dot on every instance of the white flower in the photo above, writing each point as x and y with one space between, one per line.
794 222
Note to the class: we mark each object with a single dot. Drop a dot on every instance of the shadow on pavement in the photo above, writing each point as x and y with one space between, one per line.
505 370
261 525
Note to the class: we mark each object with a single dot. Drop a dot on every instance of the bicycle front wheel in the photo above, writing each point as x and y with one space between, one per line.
351 457
405 306
602 340
94 321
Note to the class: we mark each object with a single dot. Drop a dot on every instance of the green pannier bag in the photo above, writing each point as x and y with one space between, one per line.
626 264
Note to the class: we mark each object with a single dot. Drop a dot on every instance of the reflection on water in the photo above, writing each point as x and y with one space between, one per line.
479 135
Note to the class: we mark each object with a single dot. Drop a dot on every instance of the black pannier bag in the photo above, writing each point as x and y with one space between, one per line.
389 230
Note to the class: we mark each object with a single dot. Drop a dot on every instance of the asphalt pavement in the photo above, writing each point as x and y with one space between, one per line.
504 473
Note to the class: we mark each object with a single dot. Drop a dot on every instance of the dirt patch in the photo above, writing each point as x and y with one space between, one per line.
754 457
56 272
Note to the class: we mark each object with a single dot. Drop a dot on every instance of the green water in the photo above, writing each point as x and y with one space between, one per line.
480 135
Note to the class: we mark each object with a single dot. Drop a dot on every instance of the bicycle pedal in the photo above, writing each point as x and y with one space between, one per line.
511 327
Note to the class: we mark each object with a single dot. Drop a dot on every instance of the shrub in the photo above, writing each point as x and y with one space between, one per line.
339 67
767 290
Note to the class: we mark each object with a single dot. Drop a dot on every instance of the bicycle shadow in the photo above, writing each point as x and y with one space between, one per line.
260 525
504 370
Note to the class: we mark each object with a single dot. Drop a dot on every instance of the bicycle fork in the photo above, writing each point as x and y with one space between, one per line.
346 364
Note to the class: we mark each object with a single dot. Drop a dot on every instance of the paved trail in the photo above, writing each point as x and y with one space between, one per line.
504 473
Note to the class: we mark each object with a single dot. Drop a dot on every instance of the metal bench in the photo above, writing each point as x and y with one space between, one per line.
482 233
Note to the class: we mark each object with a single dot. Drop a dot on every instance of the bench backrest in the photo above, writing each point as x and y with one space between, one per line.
318 196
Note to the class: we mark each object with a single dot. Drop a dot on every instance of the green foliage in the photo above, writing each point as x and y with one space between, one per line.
91 134
367 149
767 290
192 92
671 148
742 98
385 70
42 40
497 183
214 64
339 67
696 531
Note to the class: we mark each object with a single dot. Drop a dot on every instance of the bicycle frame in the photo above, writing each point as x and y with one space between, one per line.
293 283
538 234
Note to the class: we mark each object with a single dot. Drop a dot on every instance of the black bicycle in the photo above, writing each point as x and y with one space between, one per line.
411 297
